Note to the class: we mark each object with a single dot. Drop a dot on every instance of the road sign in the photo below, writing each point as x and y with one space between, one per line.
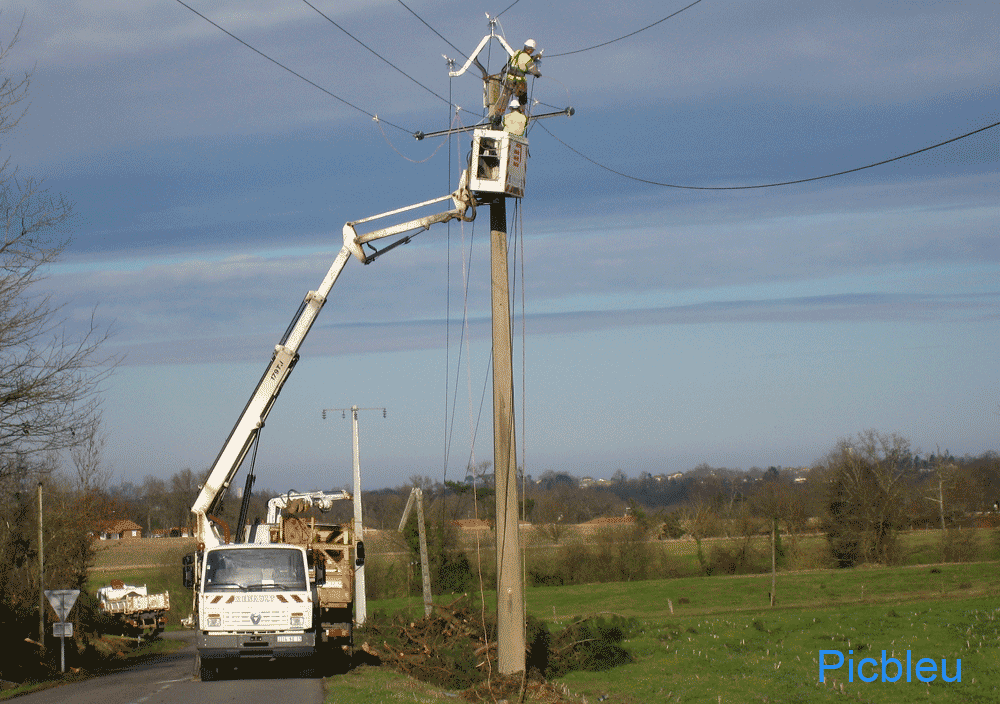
62 629
62 601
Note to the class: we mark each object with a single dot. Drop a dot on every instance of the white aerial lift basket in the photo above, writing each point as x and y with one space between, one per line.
498 163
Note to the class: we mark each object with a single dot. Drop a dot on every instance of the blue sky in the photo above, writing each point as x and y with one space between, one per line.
664 327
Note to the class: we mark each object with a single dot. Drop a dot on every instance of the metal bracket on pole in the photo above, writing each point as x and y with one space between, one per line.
568 112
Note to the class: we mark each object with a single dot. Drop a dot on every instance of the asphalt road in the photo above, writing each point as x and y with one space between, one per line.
168 679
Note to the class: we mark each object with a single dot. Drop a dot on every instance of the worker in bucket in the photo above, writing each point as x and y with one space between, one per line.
521 64
515 121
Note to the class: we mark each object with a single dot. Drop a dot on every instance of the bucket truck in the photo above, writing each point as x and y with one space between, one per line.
288 591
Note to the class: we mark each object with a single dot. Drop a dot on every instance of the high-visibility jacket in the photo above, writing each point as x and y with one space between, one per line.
520 63
515 122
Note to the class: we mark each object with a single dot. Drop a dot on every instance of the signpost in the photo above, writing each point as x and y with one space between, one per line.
62 601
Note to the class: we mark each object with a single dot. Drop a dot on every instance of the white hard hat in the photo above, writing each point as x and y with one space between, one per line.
529 44
514 104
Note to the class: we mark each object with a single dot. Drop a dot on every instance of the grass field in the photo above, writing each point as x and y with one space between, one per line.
723 643
155 563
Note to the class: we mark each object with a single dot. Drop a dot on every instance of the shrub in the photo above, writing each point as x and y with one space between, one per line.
960 545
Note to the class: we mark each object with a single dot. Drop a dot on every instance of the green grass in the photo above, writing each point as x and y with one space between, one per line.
379 685
725 644
715 595
773 656
155 563
112 554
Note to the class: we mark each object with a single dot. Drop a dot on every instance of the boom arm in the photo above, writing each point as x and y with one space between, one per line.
462 200
320 499
286 353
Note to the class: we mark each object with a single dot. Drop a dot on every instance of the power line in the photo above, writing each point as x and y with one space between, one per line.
507 8
433 30
294 73
630 34
334 23
769 185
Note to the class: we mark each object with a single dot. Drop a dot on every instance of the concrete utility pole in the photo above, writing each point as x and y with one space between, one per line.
417 496
510 587
360 598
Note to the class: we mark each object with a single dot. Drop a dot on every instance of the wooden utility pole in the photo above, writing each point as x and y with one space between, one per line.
41 573
510 586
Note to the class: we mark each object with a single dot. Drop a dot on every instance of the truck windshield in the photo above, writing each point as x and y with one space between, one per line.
256 569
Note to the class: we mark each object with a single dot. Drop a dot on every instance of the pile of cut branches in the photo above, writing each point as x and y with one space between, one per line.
452 648
592 644
456 648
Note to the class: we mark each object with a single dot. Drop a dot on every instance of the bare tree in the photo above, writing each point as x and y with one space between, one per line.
154 501
184 488
865 496
50 380
92 472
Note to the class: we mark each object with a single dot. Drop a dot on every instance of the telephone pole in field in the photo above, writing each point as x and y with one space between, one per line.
360 598
497 164
510 584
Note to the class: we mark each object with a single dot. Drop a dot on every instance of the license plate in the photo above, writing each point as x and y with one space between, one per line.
289 639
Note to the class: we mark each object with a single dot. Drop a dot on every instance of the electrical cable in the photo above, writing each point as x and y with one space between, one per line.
447 312
463 339
293 72
433 30
767 185
466 267
519 227
507 8
631 34
334 23
379 121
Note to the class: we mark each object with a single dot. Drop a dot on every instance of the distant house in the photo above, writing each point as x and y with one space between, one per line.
179 532
119 529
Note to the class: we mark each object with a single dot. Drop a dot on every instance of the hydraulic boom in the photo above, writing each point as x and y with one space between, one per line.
286 354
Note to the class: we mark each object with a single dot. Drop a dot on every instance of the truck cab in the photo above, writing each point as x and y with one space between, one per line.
252 601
